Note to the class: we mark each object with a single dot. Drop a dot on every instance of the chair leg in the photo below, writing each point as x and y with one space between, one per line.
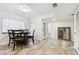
17 43
33 40
9 42
21 45
14 46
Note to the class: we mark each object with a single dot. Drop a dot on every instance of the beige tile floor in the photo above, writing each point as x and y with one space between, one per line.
44 47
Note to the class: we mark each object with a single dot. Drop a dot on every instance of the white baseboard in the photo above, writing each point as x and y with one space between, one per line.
2 36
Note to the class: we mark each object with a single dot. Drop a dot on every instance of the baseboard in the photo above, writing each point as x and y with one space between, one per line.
45 37
3 36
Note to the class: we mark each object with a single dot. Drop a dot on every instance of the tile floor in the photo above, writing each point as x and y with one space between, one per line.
44 47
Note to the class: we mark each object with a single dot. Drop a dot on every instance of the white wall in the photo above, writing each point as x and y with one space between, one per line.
76 30
54 24
12 16
61 23
49 26
37 25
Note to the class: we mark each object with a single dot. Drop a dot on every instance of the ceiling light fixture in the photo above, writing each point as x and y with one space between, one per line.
25 8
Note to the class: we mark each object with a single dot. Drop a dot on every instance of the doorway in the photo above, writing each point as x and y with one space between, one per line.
44 29
64 33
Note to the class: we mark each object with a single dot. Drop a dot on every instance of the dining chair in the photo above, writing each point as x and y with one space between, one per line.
31 36
19 39
10 36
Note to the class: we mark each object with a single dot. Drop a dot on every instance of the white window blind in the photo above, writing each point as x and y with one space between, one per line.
11 24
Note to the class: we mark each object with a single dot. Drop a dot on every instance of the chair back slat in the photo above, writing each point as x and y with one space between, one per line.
33 32
10 33
15 33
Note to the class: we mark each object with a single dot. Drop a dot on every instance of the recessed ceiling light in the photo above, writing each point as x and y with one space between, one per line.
25 8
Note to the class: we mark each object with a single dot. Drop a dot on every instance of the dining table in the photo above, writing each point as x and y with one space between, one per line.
24 35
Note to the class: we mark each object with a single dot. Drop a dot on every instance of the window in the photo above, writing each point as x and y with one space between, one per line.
8 23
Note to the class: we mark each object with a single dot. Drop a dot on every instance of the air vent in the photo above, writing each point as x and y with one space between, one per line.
72 14
54 5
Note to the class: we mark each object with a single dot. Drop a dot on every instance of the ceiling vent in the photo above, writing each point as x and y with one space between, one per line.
72 14
54 5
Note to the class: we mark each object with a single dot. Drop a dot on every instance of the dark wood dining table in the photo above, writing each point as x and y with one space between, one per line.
24 33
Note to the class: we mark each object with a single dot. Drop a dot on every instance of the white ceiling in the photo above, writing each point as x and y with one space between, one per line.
63 11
